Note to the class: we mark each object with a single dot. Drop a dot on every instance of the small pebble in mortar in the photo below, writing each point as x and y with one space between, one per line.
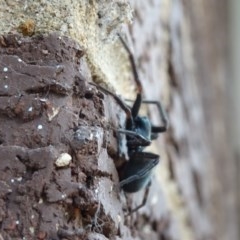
19 60
63 160
5 69
45 51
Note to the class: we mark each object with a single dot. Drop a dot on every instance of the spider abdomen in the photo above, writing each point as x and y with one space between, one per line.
137 172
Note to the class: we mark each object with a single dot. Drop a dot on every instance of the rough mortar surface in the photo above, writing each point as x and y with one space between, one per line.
94 24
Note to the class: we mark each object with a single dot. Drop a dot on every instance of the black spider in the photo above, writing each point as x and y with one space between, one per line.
140 132
136 174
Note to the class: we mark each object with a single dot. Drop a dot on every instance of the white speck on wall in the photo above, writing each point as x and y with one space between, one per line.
19 179
119 218
30 109
5 69
39 127
17 222
53 113
154 200
31 229
12 180
6 86
91 136
19 60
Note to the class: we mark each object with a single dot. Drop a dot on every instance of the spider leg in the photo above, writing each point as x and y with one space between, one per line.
162 114
137 139
128 180
133 64
138 101
137 174
136 105
122 104
138 170
145 197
